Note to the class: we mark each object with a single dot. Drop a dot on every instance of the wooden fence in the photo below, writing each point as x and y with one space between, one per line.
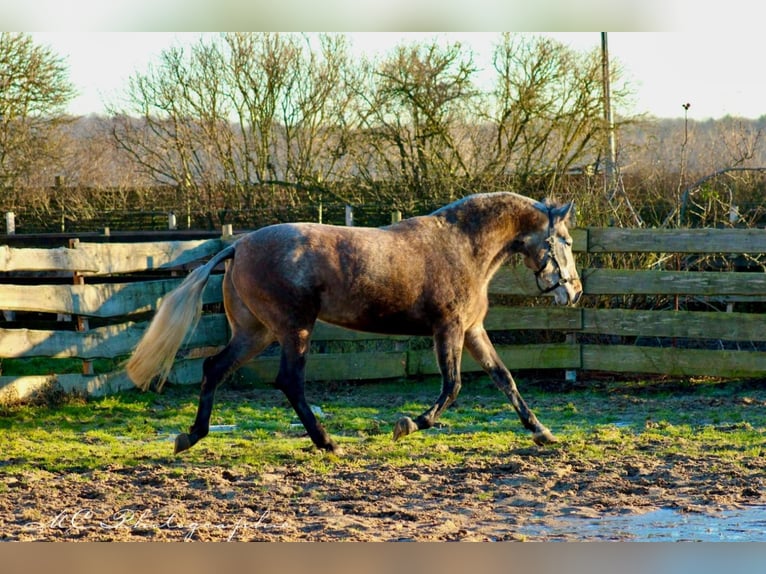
109 290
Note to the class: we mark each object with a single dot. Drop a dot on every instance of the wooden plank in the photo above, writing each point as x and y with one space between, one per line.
543 317
619 240
515 280
688 324
673 361
579 239
334 367
650 282
106 300
544 356
498 319
13 389
34 259
102 342
327 332
95 385
110 258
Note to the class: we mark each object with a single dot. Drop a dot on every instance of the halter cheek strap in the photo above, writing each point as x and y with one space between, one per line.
550 255
560 283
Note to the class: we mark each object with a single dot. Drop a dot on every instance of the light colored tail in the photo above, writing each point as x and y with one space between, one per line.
177 315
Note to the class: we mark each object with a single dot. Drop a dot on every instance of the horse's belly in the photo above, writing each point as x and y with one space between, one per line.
397 323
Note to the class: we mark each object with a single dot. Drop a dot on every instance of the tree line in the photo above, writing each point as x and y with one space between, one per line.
250 121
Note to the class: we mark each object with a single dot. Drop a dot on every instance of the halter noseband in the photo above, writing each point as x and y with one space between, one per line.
550 255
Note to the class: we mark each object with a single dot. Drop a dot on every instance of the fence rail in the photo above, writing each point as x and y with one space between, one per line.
122 283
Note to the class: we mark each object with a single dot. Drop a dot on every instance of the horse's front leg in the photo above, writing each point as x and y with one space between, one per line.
478 344
449 347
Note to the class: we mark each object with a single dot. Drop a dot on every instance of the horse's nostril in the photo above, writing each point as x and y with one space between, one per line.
577 297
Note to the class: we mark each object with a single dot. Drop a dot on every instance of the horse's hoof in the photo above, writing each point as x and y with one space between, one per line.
335 449
403 427
543 437
182 443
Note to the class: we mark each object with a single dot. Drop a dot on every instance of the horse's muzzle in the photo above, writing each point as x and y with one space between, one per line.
574 291
568 292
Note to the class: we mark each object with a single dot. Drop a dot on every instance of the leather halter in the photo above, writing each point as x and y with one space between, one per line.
550 255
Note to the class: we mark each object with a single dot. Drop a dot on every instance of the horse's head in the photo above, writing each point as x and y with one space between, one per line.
548 252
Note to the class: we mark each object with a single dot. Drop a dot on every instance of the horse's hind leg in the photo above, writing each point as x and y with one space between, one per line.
478 344
291 380
449 347
249 337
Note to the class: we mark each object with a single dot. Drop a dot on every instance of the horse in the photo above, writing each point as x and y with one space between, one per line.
426 275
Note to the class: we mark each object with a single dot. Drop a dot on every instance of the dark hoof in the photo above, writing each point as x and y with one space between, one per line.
335 449
183 442
403 427
543 437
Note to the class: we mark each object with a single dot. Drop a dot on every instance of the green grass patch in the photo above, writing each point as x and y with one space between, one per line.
594 422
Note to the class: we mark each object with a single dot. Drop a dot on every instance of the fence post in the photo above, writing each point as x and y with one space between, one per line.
570 375
396 216
81 323
58 186
172 226
227 231
10 229
349 216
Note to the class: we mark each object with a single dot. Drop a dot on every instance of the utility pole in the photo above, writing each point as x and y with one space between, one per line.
610 182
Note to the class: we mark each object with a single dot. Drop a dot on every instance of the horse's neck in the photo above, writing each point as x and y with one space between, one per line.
489 224
514 219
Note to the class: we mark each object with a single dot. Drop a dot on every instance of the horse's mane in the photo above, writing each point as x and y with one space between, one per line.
473 210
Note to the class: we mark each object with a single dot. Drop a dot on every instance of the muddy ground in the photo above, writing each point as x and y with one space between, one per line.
520 495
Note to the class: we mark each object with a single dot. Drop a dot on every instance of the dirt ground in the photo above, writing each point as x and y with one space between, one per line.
519 496
513 499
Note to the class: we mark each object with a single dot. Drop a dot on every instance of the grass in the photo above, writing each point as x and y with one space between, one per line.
595 422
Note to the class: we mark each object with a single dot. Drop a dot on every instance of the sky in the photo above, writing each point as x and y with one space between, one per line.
664 69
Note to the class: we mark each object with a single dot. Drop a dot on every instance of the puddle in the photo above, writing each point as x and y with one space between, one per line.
663 525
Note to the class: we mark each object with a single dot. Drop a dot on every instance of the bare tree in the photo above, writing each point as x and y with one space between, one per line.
160 131
34 90
545 114
429 128
317 116
252 119
420 95
242 120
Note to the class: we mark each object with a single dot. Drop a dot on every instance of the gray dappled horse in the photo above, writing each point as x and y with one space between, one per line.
426 275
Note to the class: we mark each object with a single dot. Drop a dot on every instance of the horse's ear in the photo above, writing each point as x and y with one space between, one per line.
561 213
540 206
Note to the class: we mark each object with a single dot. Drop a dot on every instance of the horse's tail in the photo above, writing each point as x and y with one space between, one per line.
177 315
